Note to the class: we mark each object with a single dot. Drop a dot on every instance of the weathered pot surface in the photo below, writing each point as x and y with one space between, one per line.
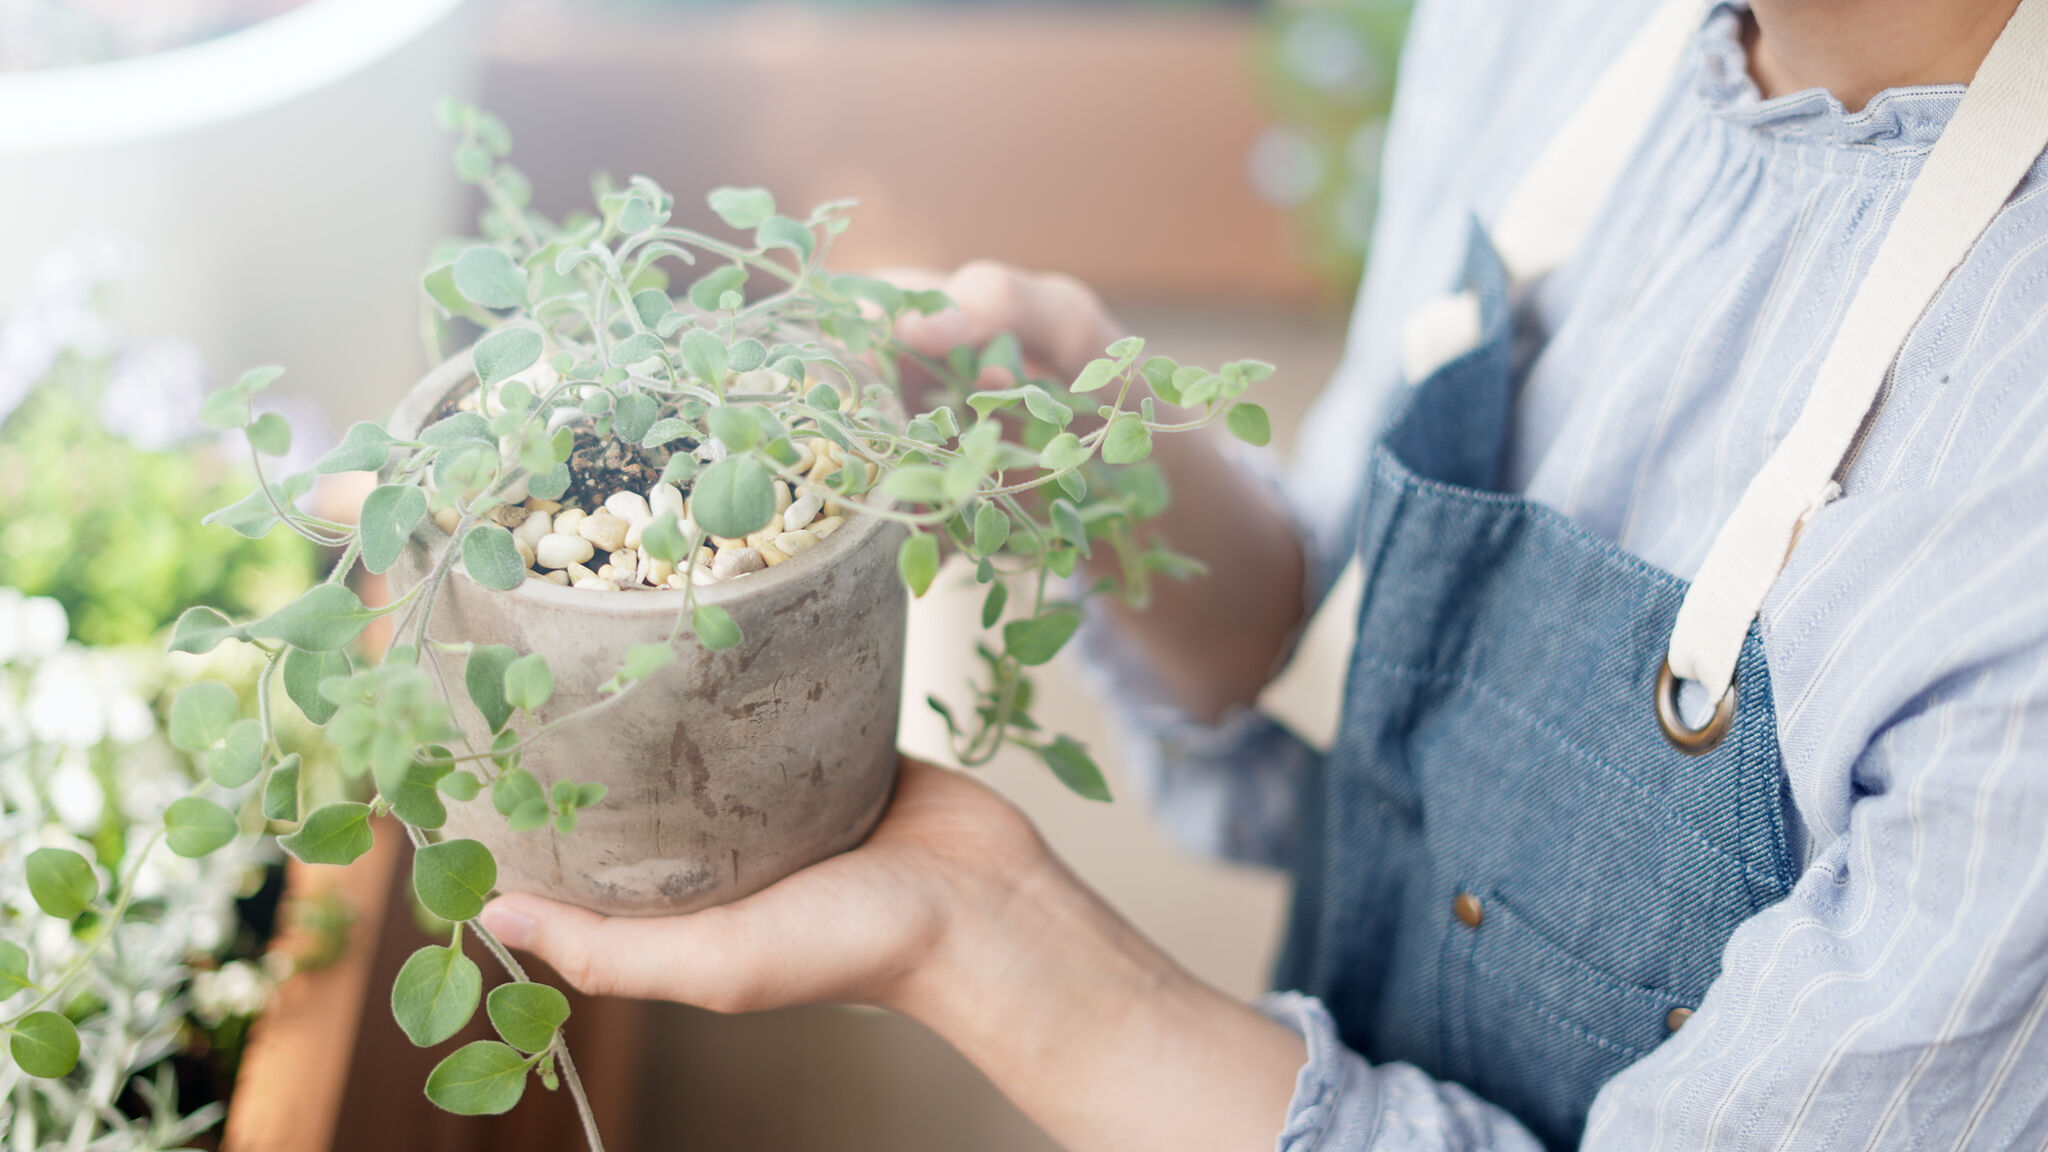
726 770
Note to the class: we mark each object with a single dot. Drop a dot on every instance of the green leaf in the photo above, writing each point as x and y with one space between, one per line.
1040 638
1071 763
1062 452
992 607
1095 375
590 795
61 882
733 427
390 513
453 878
324 619
551 484
991 528
240 756
195 827
13 969
527 1014
915 483
644 660
252 515
1066 520
303 672
201 715
460 785
714 628
918 562
271 434
505 353
335 833
733 497
488 277
1044 407
514 790
663 540
363 449
529 682
460 428
782 232
416 800
281 791
201 629
484 675
44 1044
638 216
481 1078
229 407
635 348
706 291
1248 423
742 208
633 416
435 994
664 431
491 559
1127 442
703 355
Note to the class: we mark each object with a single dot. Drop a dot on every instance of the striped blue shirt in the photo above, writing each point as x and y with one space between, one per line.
1897 998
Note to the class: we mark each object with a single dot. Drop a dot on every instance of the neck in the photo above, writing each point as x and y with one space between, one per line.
1857 48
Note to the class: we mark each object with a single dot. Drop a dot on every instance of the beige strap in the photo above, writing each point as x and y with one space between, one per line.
1994 137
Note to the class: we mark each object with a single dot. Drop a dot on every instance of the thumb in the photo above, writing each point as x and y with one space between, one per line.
623 955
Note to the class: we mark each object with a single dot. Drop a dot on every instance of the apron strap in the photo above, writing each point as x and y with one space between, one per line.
1986 149
1556 202
1558 199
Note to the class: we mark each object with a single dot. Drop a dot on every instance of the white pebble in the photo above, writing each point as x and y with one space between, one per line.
540 505
557 550
567 519
802 512
526 553
795 542
665 498
703 579
579 572
603 529
628 506
782 497
535 526
655 571
597 585
772 554
677 582
607 572
732 562
561 578
827 526
635 530
448 519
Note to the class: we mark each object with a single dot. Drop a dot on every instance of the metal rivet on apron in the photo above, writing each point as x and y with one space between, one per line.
1691 741
1468 909
1676 1018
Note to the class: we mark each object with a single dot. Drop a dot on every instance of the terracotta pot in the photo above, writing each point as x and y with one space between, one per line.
727 770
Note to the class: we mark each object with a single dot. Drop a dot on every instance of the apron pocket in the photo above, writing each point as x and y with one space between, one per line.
1555 1022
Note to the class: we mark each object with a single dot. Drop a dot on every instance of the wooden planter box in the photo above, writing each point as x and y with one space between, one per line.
327 1068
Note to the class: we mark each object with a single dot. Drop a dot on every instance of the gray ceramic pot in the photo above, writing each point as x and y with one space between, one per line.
727 770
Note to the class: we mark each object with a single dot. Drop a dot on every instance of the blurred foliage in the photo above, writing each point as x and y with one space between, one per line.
1326 71
111 531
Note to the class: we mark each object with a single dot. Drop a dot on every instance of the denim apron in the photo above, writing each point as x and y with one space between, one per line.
1519 863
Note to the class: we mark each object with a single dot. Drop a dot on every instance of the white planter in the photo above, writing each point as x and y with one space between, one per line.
277 188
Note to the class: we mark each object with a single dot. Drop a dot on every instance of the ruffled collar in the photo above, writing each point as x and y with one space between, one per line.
1896 119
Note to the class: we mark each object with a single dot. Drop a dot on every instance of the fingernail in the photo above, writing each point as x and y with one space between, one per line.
512 928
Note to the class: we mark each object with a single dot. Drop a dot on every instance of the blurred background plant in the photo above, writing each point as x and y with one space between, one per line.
104 473
1326 70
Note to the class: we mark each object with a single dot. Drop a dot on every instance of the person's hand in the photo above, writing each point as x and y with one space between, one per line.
955 914
1060 324
857 927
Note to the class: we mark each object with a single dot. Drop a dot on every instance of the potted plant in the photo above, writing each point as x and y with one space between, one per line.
649 547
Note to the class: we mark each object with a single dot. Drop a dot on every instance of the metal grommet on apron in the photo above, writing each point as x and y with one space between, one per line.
1687 739
1470 888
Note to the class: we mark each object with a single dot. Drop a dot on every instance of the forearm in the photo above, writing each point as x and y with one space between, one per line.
1096 1035
1214 641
